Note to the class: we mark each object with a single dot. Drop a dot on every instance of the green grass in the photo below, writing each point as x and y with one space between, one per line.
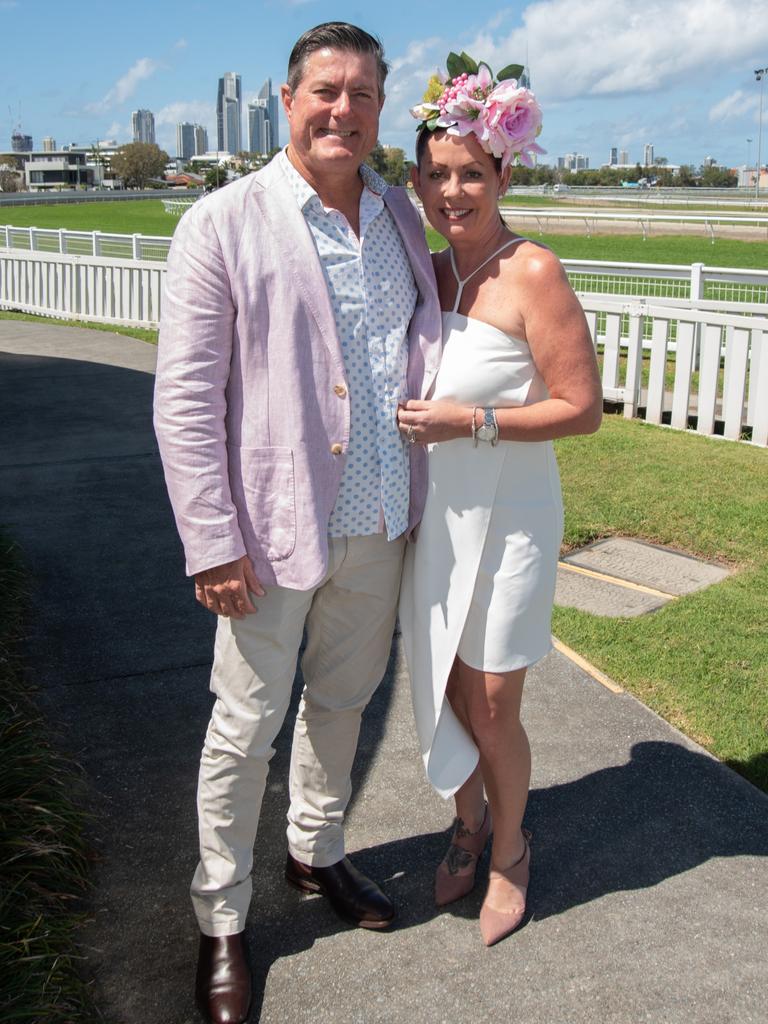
44 862
700 661
142 333
127 217
684 249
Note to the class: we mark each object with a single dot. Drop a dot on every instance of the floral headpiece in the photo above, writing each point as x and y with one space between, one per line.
503 115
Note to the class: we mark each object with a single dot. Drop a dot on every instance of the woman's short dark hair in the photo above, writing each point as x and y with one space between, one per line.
337 35
425 134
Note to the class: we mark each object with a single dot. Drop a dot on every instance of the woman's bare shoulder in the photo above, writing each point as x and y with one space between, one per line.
536 262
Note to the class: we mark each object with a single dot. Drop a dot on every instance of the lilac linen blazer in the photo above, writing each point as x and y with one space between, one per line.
251 401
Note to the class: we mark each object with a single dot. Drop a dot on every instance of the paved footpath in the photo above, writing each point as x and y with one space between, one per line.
649 857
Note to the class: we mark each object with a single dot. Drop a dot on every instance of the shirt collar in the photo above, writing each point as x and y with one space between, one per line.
304 193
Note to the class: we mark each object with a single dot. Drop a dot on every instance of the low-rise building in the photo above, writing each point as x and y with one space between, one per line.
59 169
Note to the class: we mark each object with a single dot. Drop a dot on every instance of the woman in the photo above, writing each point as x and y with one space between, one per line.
518 370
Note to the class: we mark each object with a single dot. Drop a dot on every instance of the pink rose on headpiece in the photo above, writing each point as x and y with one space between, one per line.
512 122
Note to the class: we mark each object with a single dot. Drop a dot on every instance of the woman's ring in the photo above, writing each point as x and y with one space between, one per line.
411 435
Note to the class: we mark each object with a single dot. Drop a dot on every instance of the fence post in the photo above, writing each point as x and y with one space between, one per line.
62 241
32 240
136 247
636 313
97 243
697 292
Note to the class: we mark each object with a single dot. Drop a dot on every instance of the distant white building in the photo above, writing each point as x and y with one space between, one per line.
201 139
648 155
623 157
143 123
49 144
49 170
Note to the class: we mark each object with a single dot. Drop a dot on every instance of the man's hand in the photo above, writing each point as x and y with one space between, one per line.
224 590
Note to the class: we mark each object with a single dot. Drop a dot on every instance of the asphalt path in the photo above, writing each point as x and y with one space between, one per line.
649 857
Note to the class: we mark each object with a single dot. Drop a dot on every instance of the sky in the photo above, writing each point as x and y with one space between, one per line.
678 75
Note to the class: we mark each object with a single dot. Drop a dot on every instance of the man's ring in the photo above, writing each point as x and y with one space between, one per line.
411 435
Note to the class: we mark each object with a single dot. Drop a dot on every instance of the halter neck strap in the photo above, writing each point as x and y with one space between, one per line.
461 283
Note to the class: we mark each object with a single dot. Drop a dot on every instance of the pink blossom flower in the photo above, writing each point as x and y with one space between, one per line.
511 122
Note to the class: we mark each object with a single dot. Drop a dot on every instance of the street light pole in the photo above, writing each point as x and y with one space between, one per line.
760 74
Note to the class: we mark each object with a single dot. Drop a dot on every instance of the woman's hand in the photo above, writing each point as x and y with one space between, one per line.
428 422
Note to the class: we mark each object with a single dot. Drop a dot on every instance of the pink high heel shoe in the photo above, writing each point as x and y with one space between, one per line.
496 920
455 875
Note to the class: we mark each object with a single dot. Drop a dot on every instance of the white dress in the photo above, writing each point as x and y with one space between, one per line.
480 579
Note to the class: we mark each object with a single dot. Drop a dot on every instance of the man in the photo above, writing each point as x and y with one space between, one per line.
300 309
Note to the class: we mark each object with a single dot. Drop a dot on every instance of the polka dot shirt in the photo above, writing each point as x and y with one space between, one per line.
373 295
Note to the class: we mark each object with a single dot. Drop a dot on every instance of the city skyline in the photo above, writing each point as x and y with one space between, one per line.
606 75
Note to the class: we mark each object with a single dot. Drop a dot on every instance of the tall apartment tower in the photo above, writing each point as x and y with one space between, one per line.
270 103
648 155
185 140
228 119
201 140
614 156
258 128
143 122
49 144
623 157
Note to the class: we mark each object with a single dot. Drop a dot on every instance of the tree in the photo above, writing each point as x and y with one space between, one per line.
718 177
10 179
137 162
390 163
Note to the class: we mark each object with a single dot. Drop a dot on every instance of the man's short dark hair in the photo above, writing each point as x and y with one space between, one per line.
337 35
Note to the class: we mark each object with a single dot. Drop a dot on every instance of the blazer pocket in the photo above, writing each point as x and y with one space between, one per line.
270 499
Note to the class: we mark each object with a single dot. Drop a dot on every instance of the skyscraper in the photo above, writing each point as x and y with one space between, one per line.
49 144
185 140
270 104
614 156
258 128
143 122
228 119
201 140
623 157
648 155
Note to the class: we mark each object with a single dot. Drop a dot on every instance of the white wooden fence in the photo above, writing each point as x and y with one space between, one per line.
85 243
704 369
709 222
96 288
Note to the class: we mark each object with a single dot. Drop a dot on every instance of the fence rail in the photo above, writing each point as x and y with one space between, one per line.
643 221
665 358
85 243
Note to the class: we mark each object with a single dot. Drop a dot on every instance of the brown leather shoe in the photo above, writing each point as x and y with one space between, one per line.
352 895
223 984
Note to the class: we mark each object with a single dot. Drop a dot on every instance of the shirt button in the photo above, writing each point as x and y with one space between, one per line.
340 390
337 449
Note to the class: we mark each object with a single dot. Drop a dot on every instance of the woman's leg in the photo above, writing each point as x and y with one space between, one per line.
488 704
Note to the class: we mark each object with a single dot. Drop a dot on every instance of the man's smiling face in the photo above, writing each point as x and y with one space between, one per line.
333 114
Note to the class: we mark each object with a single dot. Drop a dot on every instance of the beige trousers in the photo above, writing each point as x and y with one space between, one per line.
350 619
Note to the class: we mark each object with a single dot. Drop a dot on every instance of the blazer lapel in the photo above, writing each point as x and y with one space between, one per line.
293 240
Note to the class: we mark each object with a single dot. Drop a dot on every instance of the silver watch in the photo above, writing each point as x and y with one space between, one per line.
489 429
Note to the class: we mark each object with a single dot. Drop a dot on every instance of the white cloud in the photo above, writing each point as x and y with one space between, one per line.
125 86
610 47
180 44
737 105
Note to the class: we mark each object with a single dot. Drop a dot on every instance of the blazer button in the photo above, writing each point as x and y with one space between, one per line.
337 449
340 390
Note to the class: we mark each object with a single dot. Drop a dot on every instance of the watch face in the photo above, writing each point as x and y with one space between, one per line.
485 433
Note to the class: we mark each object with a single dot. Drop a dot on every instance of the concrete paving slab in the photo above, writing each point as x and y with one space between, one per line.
649 857
669 571
601 597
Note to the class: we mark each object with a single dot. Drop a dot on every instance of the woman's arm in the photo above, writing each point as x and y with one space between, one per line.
557 333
